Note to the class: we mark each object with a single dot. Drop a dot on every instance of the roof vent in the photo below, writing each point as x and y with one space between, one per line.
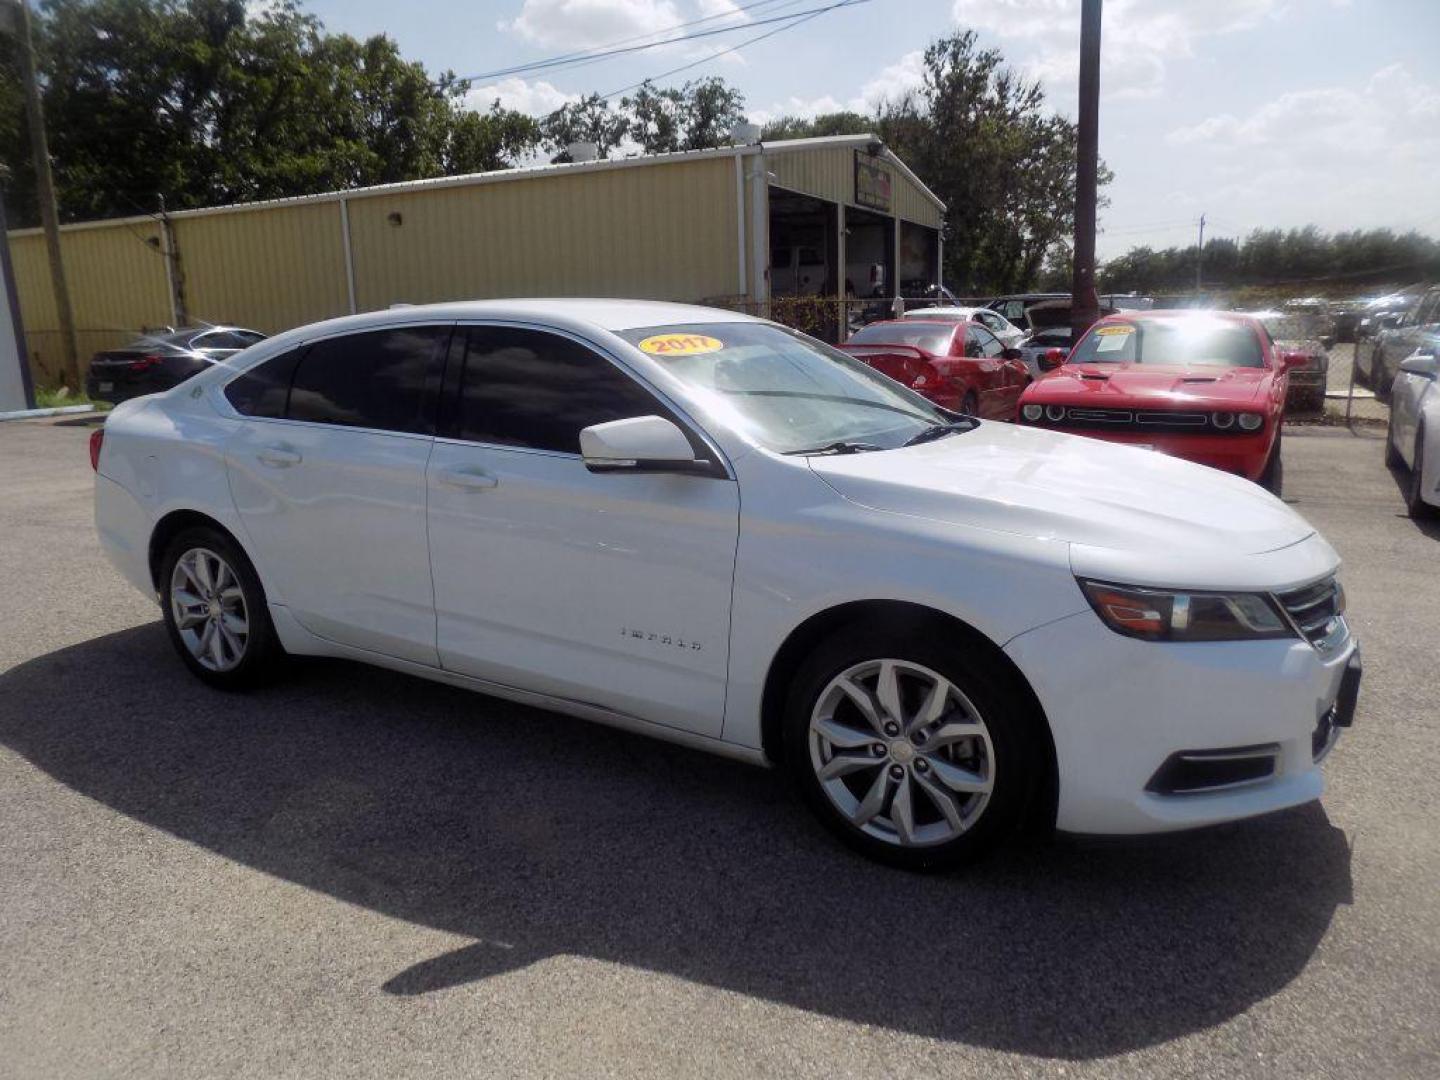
745 133
583 151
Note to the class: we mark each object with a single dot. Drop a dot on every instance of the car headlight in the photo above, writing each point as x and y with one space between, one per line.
1055 413
1222 420
1166 615
1033 412
1251 421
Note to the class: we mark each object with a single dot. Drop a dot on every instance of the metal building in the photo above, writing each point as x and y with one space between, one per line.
733 226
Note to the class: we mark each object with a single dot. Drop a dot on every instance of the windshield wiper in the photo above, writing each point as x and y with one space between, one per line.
842 446
939 431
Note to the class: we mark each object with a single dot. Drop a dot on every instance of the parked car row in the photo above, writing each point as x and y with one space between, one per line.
1209 387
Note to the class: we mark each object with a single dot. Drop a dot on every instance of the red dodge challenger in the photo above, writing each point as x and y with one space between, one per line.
959 366
1206 386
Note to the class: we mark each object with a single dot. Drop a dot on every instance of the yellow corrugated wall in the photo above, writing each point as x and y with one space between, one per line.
829 173
117 285
664 232
268 269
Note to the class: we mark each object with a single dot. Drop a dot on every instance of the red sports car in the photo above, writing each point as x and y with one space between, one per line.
960 366
1206 386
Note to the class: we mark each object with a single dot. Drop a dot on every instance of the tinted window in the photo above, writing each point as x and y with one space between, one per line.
1053 339
263 390
221 339
1184 340
534 389
374 380
980 342
930 336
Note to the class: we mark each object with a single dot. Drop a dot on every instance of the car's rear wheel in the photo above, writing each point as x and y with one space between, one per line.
215 611
1414 501
908 747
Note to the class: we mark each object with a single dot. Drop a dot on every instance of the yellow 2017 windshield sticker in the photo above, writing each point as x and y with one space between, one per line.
680 345
1106 331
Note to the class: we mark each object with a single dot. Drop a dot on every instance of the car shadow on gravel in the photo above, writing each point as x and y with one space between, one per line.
537 835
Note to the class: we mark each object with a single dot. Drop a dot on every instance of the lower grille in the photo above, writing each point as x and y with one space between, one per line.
1194 772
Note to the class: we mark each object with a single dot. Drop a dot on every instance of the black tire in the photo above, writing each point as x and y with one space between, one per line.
1011 719
1393 460
970 406
1418 508
262 653
1273 478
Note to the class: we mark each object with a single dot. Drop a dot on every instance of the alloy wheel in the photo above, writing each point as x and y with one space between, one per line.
208 606
901 753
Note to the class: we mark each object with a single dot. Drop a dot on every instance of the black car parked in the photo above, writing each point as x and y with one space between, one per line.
155 362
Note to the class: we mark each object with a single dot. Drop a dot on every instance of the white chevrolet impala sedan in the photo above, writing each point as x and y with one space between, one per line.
706 527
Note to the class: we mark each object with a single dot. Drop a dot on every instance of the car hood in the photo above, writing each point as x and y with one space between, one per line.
1151 386
1046 485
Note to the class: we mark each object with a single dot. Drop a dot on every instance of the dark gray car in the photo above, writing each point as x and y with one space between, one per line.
155 362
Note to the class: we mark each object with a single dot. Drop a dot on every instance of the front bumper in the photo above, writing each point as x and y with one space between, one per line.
1120 709
1243 455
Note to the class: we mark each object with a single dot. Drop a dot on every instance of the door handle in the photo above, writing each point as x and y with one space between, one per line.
467 479
278 457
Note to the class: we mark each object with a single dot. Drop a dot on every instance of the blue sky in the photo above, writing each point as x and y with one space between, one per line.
1255 112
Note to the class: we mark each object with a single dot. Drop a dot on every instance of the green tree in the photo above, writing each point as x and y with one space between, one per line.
588 120
201 102
981 137
836 123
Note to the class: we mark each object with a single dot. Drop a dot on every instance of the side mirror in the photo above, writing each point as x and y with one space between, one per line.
1292 359
1424 364
1051 359
1012 354
641 444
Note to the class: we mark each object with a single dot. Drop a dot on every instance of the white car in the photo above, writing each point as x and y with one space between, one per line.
1413 441
702 526
1010 335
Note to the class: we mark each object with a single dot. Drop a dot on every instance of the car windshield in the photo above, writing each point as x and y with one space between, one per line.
1183 342
932 337
788 392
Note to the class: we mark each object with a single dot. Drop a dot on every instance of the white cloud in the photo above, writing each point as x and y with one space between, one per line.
580 24
892 82
1364 154
533 98
1138 38
587 24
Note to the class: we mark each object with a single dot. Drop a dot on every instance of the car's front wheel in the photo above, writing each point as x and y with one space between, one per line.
215 612
909 748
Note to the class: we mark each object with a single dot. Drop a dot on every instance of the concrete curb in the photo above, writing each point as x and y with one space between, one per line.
36 414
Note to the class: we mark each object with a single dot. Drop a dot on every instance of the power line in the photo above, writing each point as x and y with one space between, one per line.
798 17
575 60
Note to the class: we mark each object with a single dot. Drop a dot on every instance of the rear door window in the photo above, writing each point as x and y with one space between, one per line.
264 390
382 379
534 389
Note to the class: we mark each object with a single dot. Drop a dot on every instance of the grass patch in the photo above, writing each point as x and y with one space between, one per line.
60 397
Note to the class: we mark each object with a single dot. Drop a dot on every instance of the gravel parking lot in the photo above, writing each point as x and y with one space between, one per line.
355 873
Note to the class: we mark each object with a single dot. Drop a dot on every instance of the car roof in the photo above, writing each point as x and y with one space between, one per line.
1175 314
932 313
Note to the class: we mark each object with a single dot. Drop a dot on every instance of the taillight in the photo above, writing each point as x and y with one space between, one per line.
97 440
145 363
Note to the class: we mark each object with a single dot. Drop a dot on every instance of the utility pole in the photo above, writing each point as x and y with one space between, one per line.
1199 252
19 18
174 272
1084 304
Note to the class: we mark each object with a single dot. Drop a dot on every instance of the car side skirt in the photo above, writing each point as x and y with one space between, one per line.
301 641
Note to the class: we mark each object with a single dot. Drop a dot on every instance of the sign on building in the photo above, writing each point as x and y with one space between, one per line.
872 183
